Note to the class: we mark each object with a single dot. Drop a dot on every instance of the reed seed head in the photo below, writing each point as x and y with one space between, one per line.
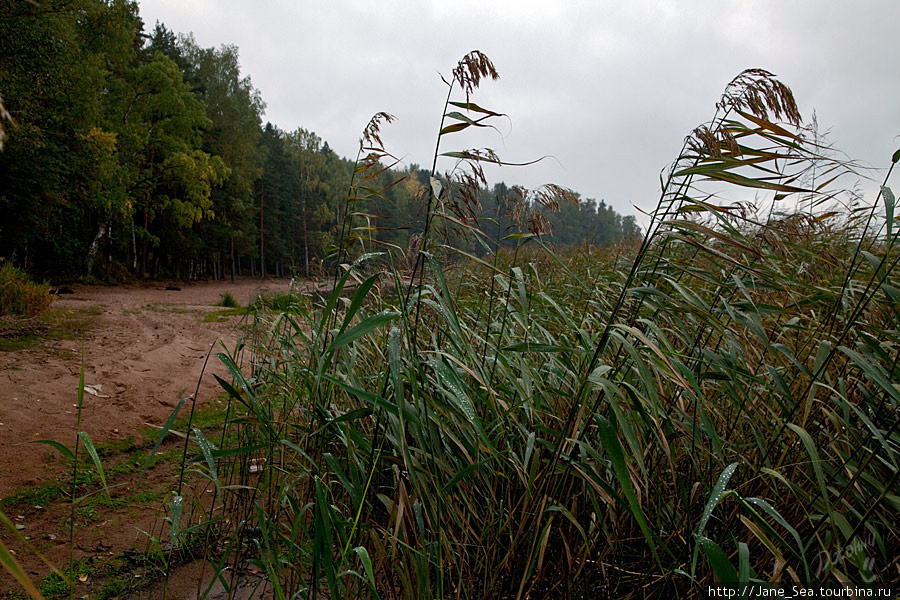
371 137
757 91
474 67
551 196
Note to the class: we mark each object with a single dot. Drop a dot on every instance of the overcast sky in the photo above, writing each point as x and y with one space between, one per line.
609 89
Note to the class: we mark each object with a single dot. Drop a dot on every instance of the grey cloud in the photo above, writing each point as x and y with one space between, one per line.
608 88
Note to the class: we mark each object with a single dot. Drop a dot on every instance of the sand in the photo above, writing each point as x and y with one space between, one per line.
144 350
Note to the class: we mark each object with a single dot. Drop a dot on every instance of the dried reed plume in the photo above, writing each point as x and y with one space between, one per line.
757 91
538 223
371 138
551 196
703 140
471 69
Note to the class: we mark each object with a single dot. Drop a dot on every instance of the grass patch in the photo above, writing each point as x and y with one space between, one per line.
54 586
18 343
228 301
20 333
270 303
71 324
223 316
127 446
96 507
40 495
120 458
204 418
118 576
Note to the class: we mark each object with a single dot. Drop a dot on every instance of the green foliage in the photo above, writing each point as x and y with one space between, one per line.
50 81
146 155
106 148
234 108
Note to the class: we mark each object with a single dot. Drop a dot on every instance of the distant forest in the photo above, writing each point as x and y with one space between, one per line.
134 153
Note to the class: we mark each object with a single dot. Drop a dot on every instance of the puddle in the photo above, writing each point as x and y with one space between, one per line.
194 581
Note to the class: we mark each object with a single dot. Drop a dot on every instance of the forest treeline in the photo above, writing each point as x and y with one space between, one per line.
141 153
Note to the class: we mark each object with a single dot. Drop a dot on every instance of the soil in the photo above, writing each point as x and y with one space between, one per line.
144 349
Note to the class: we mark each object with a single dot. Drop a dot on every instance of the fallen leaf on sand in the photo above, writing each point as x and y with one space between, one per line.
95 390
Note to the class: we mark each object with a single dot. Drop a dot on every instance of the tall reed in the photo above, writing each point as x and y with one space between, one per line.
718 406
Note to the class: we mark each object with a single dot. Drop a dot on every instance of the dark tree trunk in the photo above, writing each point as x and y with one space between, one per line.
262 252
146 225
232 259
305 233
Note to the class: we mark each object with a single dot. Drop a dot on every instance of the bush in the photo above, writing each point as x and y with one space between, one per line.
228 301
19 295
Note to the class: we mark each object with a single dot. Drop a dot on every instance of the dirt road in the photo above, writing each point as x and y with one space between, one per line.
144 349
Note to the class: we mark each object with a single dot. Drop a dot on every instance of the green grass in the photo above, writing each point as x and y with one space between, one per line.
222 316
53 324
206 418
228 301
96 507
121 458
19 343
272 303
40 495
54 586
111 578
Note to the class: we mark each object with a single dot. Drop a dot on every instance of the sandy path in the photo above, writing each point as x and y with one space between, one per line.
145 347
